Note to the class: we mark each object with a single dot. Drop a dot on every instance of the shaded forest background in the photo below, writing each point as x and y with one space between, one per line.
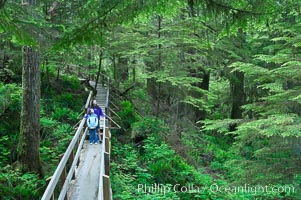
208 91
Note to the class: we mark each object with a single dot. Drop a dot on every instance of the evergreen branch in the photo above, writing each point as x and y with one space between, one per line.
89 24
101 16
128 89
239 10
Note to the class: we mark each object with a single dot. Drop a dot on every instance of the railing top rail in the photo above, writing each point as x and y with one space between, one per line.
88 100
102 162
108 93
56 176
103 74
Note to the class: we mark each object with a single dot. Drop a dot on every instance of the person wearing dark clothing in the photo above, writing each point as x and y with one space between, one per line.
97 109
100 116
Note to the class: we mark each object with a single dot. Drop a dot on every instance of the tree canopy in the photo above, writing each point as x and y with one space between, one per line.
221 78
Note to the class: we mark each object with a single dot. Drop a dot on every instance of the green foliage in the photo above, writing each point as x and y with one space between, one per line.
146 126
127 114
64 114
71 82
57 106
47 126
12 31
218 98
221 126
283 125
9 97
4 153
158 164
14 184
260 39
56 137
66 99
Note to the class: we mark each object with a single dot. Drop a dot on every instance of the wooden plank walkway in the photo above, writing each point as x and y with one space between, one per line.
85 186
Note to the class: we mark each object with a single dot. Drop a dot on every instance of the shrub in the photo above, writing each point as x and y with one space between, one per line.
4 151
47 126
10 97
128 115
64 115
14 184
71 82
146 126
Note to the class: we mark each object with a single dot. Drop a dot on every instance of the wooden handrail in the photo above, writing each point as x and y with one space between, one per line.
68 155
104 189
100 188
62 165
109 118
88 100
108 92
114 113
65 175
72 169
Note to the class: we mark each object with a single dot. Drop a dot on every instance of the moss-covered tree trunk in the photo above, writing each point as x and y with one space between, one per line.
29 141
198 71
237 94
237 82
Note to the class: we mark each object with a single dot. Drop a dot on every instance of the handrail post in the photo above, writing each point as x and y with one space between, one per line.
47 181
104 192
107 141
107 163
72 159
106 187
103 80
63 174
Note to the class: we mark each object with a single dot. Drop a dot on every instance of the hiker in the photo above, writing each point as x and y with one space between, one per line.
92 122
100 115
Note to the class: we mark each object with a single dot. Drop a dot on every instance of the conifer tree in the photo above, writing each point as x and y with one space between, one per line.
29 141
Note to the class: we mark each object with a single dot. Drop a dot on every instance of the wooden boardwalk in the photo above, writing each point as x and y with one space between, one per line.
86 184
83 171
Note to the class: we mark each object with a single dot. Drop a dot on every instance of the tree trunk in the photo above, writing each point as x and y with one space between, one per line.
191 9
237 84
47 72
201 114
98 72
237 94
159 65
58 73
123 69
29 142
114 68
197 72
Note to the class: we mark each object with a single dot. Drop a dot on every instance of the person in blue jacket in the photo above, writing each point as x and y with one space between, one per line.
100 115
92 123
